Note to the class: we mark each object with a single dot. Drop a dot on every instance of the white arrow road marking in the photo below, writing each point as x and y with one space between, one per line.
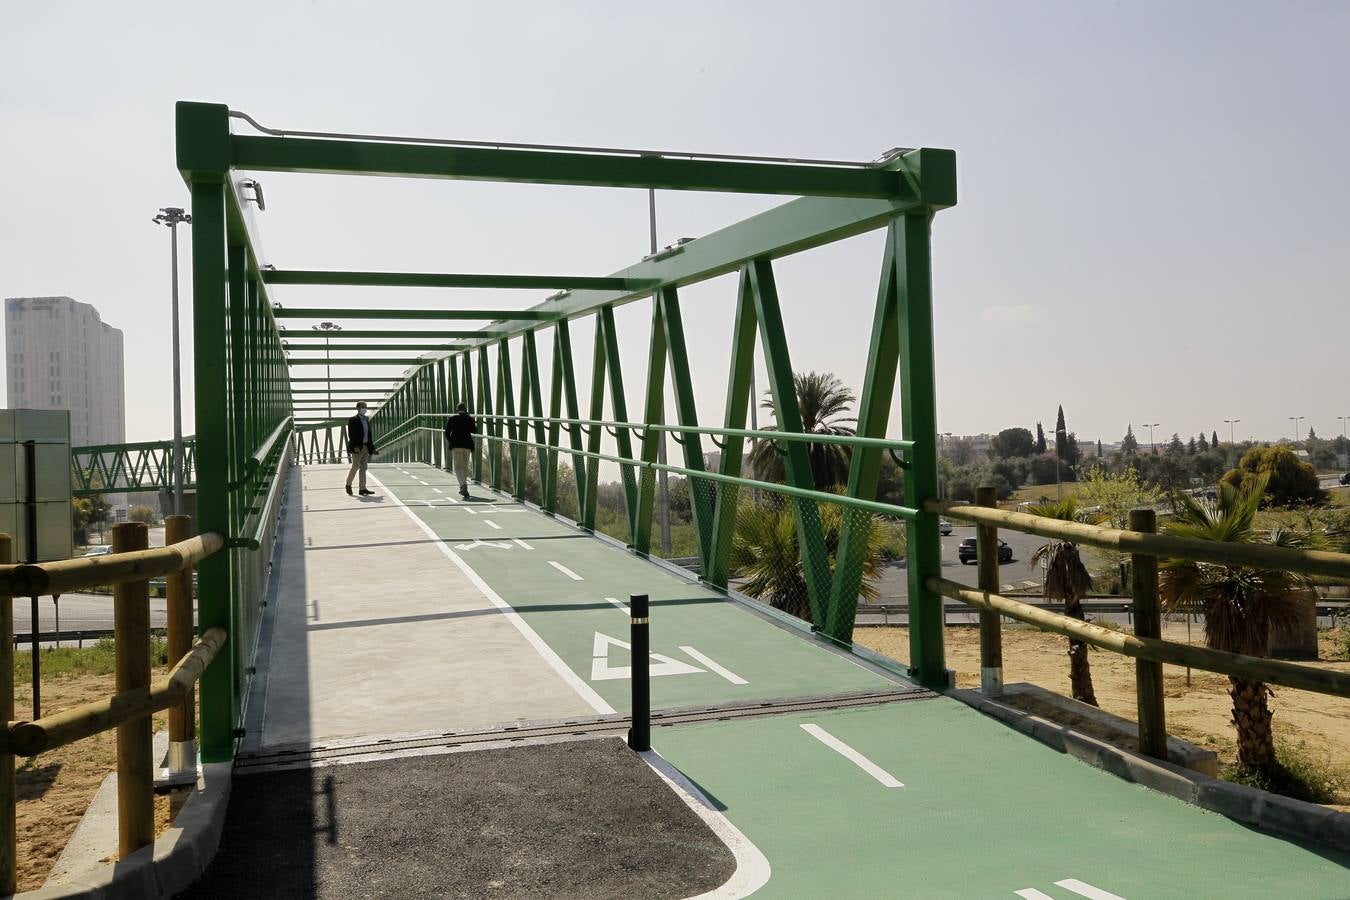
519 543
492 524
601 670
1081 888
621 606
720 670
500 545
566 571
853 756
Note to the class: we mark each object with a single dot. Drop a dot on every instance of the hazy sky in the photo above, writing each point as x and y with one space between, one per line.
1152 223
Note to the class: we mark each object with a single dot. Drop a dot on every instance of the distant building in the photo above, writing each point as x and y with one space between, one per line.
61 355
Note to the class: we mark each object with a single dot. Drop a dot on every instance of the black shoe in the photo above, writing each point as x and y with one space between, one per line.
366 493
349 490
464 492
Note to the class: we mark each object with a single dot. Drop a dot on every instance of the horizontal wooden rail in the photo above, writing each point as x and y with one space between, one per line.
64 576
1322 681
1313 562
50 732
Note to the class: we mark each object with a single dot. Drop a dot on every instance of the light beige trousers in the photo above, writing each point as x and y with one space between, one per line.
360 459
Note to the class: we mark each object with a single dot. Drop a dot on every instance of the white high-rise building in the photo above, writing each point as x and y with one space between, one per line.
61 355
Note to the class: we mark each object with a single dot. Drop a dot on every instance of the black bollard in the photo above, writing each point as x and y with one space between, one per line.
640 735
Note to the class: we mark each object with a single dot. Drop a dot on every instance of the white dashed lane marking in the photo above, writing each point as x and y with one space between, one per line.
853 756
566 571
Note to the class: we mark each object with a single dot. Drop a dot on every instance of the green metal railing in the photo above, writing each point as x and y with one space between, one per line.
119 468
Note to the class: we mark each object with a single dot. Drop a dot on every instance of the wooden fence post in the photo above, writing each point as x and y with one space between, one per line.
9 838
182 718
135 766
991 625
1148 676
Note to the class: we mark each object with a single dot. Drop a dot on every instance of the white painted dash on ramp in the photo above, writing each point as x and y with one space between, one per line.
566 571
621 606
853 756
715 667
519 543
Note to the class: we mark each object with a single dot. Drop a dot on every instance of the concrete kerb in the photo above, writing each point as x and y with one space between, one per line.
176 859
1260 809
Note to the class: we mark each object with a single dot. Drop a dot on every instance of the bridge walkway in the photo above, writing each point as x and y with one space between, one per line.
412 622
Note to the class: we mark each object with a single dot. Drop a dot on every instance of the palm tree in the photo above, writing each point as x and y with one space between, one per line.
1067 579
1241 604
825 402
766 554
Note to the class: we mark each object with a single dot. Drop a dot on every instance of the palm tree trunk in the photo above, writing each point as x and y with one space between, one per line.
1080 670
1252 718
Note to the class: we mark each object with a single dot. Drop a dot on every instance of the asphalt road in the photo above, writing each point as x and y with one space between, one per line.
78 611
894 587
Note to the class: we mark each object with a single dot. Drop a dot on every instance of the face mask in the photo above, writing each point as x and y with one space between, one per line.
362 413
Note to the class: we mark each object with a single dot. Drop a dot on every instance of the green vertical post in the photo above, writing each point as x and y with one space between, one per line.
597 412
562 362
493 427
653 414
506 411
738 397
618 405
919 424
797 462
240 497
687 414
874 412
533 405
203 156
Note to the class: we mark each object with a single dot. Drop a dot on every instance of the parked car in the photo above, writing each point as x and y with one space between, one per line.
1345 479
98 551
968 553
944 527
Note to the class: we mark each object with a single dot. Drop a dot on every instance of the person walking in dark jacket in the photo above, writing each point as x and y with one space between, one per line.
361 446
459 431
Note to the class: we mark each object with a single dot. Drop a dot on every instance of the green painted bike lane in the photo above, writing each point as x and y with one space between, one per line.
983 812
569 612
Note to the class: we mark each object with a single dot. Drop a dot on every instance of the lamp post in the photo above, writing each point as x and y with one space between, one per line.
327 328
1152 447
1296 420
171 217
1232 443
1345 442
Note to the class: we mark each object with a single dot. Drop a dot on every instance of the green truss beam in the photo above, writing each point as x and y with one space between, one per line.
387 381
356 157
356 334
338 312
446 280
361 361
429 348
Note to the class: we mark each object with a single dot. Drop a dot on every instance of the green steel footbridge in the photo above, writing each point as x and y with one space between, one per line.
380 630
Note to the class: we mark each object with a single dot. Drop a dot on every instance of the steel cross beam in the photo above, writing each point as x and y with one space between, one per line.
337 312
355 334
358 157
429 347
445 280
362 361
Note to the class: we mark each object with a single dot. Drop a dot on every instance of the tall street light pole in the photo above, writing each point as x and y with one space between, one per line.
1152 447
1296 420
327 328
171 217
1345 441
1232 443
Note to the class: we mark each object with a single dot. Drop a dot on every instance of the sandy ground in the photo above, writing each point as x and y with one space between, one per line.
56 788
1200 712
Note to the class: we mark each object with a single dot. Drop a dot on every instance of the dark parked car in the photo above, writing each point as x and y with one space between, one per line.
967 553
1345 479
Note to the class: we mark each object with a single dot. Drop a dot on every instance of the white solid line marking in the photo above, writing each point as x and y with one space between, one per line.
622 606
1082 888
720 670
492 524
752 867
1032 894
566 571
853 756
519 543
548 654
